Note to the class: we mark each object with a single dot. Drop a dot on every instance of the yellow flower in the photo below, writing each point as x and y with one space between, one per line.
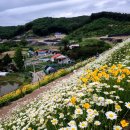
123 76
99 75
119 65
124 123
18 91
73 100
87 105
85 80
30 128
118 81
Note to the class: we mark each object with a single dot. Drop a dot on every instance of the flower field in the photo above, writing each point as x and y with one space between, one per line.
97 97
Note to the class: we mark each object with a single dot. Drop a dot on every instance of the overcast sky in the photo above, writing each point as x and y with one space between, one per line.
17 12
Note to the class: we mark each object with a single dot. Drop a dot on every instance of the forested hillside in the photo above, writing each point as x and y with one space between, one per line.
102 26
95 25
45 26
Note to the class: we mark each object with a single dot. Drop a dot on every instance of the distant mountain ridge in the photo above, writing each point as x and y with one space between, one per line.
73 26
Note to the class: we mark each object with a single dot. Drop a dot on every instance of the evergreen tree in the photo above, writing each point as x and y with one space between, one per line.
18 59
6 60
23 42
65 43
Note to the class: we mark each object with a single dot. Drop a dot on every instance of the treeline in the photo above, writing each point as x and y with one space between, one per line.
7 46
11 31
111 15
48 25
45 26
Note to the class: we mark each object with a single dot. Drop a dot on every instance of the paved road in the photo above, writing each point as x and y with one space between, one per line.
37 76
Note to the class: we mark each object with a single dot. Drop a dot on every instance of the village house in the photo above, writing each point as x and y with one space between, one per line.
59 35
3 73
60 59
74 46
42 52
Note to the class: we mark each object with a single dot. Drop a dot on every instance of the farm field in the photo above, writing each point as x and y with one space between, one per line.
94 98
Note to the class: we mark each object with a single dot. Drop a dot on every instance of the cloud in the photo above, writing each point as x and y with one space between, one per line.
16 12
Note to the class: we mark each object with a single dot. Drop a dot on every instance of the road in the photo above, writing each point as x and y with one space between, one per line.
37 76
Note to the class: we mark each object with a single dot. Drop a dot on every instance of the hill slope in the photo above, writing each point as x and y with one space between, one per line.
45 26
102 26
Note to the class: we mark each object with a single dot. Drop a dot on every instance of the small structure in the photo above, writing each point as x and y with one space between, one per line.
42 52
30 53
49 70
60 59
74 46
3 73
59 35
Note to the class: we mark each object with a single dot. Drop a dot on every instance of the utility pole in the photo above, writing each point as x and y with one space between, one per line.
34 68
34 71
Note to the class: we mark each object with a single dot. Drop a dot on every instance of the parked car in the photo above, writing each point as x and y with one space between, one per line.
49 70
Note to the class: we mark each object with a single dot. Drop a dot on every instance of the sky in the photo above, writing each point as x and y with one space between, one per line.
19 12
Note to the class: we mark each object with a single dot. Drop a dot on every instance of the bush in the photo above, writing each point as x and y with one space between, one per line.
88 48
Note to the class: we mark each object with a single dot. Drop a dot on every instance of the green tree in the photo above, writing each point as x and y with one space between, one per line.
23 42
65 43
6 60
18 59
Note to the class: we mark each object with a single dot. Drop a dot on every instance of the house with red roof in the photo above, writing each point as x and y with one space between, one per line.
60 59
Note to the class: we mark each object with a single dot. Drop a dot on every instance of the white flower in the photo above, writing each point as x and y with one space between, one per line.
78 111
54 121
127 104
97 123
106 93
61 115
121 89
116 86
117 127
41 121
72 128
108 101
72 123
83 124
62 128
90 111
96 113
89 119
111 115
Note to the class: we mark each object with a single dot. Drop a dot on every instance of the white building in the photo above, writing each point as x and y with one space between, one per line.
74 46
60 59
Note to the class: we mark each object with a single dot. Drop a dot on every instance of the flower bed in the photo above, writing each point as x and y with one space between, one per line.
94 98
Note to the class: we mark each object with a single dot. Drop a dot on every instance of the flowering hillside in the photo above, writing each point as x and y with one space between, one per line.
95 98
